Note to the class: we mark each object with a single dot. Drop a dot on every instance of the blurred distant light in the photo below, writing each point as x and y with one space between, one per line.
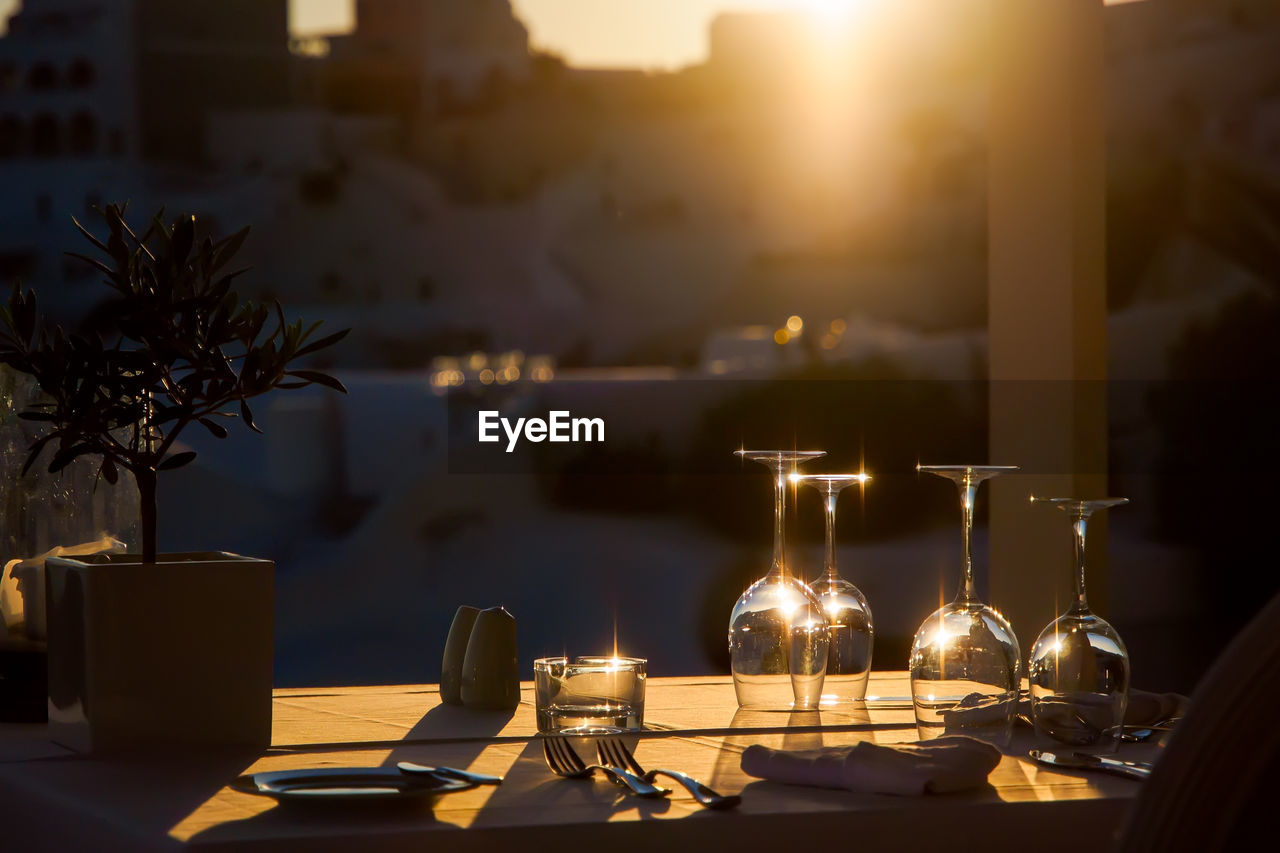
486 376
312 47
477 360
719 366
444 362
829 341
781 336
754 333
838 326
795 324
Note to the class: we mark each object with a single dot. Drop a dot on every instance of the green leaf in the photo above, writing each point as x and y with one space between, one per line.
66 456
184 237
226 249
327 341
177 460
217 429
318 378
89 236
247 416
93 262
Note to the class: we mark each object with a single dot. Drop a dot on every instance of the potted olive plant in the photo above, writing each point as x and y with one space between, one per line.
152 648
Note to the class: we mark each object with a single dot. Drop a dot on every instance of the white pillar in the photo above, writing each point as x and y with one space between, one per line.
1047 299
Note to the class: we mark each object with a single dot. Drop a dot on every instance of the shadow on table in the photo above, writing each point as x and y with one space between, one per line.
451 722
152 790
529 784
461 736
324 826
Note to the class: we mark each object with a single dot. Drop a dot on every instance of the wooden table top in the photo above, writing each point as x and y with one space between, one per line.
181 800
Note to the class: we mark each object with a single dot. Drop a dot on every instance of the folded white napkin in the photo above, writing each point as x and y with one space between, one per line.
952 763
22 585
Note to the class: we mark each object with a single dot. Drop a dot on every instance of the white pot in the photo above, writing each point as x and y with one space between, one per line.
173 652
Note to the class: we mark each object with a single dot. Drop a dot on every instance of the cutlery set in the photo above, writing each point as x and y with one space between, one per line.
1087 761
614 760
619 765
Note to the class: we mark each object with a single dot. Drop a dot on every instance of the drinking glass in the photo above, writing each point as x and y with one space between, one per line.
1079 667
965 658
591 695
850 633
778 629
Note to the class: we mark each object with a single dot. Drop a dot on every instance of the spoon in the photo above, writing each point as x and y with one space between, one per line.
1085 761
450 772
1137 734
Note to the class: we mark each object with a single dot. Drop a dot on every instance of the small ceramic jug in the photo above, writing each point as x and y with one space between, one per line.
490 672
455 653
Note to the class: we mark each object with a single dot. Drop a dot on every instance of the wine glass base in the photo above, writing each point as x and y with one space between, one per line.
958 707
842 689
1079 719
776 692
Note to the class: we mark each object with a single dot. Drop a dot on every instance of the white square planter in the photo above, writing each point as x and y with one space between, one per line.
174 652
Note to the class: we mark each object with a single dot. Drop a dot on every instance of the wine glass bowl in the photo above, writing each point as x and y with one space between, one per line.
778 627
850 631
964 672
965 660
1078 671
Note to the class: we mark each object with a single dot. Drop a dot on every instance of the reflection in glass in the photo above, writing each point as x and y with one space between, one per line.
1079 667
965 657
849 630
778 631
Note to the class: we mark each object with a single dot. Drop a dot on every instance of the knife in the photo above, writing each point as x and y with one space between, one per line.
451 773
1085 761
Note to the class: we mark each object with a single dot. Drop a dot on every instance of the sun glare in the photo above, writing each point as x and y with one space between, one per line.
832 11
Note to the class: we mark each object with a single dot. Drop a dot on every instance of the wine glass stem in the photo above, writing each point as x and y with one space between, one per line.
1079 526
968 491
779 565
831 536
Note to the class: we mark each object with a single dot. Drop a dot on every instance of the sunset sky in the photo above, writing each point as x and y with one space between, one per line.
644 33
639 33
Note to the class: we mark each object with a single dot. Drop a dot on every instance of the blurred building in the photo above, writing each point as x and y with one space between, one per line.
106 101
135 78
446 190
67 84
198 56
425 56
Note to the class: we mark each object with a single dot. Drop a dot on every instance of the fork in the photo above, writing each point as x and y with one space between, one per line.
563 761
615 754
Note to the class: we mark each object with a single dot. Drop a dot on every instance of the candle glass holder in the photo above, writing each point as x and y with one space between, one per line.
778 628
589 695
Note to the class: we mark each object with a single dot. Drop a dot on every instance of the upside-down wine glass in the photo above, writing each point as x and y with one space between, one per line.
965 657
777 631
1079 667
850 633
